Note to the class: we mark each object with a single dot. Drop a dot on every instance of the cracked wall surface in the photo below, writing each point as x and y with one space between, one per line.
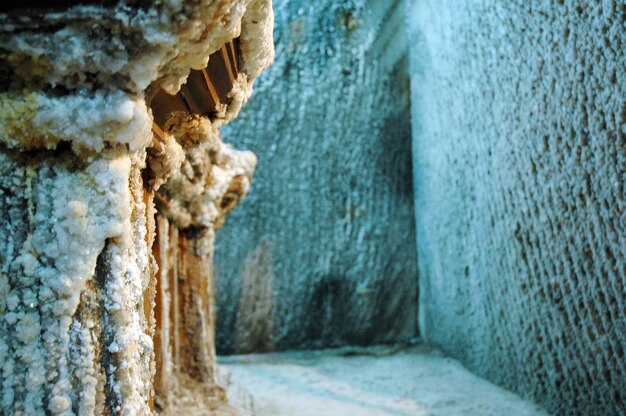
519 121
327 232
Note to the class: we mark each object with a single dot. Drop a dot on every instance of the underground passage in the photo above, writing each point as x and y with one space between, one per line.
293 208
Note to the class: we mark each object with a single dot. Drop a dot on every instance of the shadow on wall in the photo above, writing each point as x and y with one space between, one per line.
254 320
328 228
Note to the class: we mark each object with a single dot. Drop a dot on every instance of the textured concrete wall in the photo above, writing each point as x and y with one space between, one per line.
327 230
519 116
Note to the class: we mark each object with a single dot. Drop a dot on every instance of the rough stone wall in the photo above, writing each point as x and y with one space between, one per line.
327 231
519 120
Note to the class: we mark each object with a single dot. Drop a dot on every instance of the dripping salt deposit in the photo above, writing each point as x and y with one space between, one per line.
79 277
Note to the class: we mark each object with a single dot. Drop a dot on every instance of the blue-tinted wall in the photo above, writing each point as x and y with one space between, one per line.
322 251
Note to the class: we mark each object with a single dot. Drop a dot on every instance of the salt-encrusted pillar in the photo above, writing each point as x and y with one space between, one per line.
189 212
79 166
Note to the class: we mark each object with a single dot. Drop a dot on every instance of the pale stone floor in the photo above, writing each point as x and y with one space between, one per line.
376 381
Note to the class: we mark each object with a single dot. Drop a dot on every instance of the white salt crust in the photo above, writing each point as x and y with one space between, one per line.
88 120
68 212
92 115
188 200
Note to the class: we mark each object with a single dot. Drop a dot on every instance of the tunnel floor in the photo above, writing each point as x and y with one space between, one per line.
388 380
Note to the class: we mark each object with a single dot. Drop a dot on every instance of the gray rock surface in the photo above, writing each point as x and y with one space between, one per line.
378 381
327 230
519 117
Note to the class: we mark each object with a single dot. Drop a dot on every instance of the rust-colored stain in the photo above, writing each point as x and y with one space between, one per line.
184 340
206 91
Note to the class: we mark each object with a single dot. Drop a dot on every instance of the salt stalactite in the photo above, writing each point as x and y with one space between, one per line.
192 204
78 278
